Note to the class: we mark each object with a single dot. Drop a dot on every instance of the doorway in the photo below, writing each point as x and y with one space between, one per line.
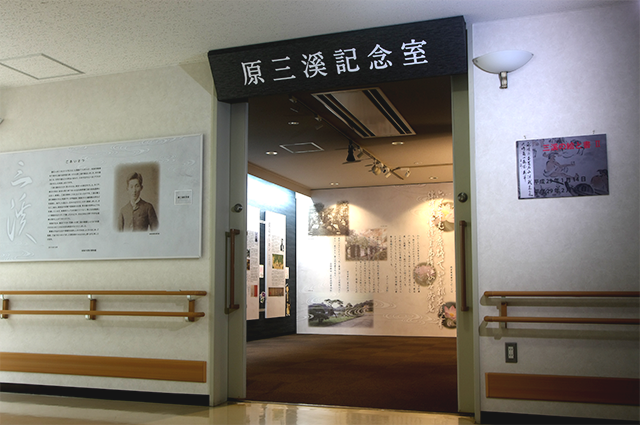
429 120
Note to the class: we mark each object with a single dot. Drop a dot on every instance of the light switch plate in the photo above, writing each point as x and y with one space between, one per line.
511 352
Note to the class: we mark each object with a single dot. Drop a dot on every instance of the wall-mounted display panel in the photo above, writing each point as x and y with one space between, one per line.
563 167
127 200
253 263
275 251
377 261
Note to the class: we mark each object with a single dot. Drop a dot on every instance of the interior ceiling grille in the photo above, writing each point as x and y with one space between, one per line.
368 112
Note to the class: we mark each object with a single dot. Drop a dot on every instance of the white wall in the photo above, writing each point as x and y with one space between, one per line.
583 78
138 105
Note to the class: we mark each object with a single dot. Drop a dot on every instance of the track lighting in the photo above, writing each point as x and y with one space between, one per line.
350 157
376 169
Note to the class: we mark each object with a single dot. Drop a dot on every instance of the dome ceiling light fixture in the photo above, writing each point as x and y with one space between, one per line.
503 62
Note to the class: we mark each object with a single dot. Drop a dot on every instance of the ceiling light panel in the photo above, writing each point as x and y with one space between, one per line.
39 67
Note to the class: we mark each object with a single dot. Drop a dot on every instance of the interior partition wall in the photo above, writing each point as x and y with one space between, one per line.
271 260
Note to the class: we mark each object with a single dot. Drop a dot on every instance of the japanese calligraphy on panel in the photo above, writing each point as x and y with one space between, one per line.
561 167
103 201
394 53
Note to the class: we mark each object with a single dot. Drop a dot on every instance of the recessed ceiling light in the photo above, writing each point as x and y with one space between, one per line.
293 123
395 143
433 178
335 184
271 153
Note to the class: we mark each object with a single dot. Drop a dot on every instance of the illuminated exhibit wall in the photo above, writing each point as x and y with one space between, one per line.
377 261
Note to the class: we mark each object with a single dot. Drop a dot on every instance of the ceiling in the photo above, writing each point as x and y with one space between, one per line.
44 41
313 153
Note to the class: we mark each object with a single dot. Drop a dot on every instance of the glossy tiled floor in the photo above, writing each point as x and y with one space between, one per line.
19 409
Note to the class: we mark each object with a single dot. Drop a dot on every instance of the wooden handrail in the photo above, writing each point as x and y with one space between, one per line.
92 312
105 313
504 318
578 320
582 294
88 292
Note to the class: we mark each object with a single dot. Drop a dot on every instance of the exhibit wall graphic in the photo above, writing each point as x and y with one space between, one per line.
275 264
134 200
253 263
377 261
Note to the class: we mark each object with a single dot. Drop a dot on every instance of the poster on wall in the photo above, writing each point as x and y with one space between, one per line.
253 263
134 200
373 267
563 167
276 271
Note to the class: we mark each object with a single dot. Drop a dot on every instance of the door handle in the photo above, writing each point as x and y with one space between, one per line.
232 272
463 266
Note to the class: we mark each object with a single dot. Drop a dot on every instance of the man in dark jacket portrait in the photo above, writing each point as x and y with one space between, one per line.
137 214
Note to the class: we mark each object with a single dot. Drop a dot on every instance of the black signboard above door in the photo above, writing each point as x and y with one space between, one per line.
354 58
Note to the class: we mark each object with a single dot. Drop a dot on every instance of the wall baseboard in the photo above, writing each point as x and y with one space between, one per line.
499 418
113 367
103 394
578 389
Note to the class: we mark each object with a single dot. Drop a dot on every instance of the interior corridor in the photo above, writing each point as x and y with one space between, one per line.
22 409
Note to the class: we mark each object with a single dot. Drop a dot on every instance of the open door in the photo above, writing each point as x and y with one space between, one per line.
237 247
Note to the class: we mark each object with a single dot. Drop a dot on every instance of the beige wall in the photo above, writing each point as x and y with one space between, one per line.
583 78
131 106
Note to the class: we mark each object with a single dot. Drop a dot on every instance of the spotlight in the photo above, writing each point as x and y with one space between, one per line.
350 157
376 169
